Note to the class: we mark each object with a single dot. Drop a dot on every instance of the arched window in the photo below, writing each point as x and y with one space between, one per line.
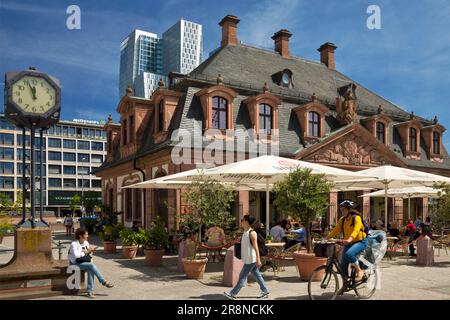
219 113
412 139
265 118
436 143
381 133
161 116
313 124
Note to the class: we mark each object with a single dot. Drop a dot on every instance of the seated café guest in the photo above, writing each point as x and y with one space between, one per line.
215 237
259 228
418 222
394 231
277 232
373 226
380 224
299 236
135 226
411 232
428 221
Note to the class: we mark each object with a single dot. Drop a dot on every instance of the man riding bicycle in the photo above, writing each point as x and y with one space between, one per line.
355 239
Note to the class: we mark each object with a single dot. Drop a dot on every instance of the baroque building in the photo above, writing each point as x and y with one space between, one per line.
297 108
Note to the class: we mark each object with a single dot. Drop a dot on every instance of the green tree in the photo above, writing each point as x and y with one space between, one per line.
5 201
209 203
75 202
304 196
17 206
440 209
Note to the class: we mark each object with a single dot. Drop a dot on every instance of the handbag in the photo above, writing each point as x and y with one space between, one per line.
237 250
86 258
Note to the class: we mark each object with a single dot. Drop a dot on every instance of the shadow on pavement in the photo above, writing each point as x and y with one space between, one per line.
214 296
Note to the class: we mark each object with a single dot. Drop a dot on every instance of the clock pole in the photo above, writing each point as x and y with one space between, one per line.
24 183
41 175
32 182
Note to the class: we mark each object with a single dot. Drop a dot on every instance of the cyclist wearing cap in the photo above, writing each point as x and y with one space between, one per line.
355 241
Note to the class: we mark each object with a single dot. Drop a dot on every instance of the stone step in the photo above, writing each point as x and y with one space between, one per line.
32 293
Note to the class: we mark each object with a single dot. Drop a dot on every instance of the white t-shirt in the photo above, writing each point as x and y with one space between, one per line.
248 253
77 250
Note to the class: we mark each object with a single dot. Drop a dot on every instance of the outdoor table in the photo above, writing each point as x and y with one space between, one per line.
390 246
274 250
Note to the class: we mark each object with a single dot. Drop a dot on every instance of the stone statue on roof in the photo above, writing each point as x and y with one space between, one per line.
346 104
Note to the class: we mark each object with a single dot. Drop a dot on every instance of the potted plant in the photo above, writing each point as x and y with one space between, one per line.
109 235
155 241
269 239
305 197
5 228
440 209
208 204
130 242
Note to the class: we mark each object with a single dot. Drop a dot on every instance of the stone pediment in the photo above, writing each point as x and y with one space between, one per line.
354 146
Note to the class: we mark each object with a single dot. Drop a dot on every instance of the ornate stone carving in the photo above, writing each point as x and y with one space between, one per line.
346 104
351 149
219 80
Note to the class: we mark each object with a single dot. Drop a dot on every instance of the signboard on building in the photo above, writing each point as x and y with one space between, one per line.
62 198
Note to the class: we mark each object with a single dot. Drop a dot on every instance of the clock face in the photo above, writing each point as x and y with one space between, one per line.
33 94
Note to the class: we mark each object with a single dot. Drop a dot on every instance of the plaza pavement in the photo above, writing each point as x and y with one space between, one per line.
134 279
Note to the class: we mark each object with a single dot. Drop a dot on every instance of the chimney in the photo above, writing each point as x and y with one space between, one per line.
327 54
281 39
229 30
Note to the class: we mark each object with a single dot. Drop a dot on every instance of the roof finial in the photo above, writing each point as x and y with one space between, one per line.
161 83
110 118
435 120
266 87
219 80
129 90
313 97
380 109
412 115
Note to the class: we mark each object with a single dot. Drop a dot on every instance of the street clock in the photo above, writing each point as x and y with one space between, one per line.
32 99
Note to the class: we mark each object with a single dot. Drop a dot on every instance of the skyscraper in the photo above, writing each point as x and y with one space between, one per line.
182 47
140 52
145 58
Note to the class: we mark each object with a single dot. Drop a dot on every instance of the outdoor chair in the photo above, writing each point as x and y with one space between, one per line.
442 244
213 252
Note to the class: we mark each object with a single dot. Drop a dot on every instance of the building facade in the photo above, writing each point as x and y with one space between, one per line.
299 108
71 151
145 58
182 47
140 52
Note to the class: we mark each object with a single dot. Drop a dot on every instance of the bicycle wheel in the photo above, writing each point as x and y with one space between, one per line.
326 288
366 289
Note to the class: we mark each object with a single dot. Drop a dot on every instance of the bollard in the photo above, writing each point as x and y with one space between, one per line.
59 250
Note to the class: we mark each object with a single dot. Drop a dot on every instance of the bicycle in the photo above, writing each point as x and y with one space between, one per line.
324 285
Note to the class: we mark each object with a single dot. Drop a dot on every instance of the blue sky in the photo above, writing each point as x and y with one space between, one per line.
407 61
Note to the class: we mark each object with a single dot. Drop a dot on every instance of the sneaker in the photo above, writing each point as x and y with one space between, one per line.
90 295
264 295
107 284
229 296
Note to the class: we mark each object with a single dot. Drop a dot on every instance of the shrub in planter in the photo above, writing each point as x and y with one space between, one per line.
208 203
5 228
155 241
130 242
109 235
304 196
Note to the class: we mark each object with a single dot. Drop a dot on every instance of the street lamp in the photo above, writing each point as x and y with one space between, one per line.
83 158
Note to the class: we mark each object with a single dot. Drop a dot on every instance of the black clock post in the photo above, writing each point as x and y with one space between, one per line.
32 101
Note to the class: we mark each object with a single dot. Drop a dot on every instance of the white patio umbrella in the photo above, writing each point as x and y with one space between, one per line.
407 193
268 170
394 177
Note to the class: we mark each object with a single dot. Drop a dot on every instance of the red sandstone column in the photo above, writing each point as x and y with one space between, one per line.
243 204
424 208
398 212
366 206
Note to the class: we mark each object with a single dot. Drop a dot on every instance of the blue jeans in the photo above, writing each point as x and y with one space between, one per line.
251 267
351 252
91 271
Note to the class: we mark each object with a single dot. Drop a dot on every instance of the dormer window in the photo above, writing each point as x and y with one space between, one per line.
219 113
381 132
413 139
436 143
283 78
265 118
314 124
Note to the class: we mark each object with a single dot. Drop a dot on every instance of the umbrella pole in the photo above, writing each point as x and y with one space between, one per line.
409 207
267 206
385 205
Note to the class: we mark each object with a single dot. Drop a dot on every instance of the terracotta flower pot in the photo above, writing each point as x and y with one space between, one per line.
194 269
109 246
307 263
129 252
154 257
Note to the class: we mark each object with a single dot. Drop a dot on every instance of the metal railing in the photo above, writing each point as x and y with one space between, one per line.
59 246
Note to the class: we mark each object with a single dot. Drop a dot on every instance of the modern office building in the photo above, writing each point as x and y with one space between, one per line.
145 58
182 47
140 52
72 150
